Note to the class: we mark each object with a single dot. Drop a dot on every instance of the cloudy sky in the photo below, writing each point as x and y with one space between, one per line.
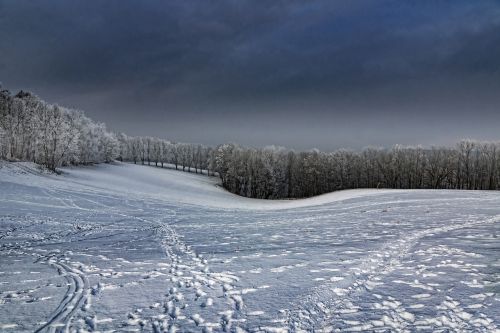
301 74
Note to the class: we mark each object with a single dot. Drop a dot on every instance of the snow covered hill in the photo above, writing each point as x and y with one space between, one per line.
134 248
144 182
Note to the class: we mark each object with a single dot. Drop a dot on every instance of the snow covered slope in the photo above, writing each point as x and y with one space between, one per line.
135 248
174 186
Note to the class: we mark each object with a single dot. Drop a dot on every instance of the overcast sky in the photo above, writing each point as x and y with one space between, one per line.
301 74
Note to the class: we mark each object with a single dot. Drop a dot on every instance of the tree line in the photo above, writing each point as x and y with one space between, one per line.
277 173
54 136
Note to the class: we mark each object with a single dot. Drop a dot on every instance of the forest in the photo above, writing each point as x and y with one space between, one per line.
54 136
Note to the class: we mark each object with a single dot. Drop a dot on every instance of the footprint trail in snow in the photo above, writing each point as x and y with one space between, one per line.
137 249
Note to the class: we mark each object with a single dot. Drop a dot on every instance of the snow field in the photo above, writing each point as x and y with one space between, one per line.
132 248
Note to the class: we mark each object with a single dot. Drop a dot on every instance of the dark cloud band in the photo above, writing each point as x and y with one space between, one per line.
312 67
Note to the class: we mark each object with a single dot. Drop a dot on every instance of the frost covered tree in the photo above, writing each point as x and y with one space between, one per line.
33 130
277 173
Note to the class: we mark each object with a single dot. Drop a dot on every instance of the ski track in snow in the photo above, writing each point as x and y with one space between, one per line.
131 248
74 299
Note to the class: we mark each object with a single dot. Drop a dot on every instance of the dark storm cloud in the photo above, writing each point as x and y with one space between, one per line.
297 73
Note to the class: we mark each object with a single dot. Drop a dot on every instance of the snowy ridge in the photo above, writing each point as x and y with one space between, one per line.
174 186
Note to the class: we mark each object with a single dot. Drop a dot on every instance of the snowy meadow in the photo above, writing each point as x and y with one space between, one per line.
131 248
248 166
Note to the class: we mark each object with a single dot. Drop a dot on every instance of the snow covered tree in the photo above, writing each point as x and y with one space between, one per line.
33 130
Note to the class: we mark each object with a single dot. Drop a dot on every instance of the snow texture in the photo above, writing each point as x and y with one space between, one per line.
132 248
